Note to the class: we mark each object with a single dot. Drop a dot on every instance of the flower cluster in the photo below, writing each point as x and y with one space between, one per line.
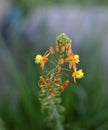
65 54
51 83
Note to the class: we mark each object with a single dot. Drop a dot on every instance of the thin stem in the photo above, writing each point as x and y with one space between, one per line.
56 118
52 63
66 69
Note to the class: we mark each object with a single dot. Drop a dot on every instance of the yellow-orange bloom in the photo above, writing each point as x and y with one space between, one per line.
77 74
72 59
42 60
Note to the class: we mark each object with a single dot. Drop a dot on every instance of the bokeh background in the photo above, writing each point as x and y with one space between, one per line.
29 27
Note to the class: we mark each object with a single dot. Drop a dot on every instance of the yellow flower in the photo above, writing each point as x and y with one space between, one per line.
76 58
42 59
72 59
77 74
38 59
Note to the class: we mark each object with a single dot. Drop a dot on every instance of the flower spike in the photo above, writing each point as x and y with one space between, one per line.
52 82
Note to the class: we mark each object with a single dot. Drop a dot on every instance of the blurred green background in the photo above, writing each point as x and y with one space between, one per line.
30 27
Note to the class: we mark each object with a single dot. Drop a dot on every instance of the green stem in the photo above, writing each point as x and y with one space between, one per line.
56 117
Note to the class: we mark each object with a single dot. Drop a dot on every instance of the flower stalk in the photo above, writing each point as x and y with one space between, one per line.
51 82
58 125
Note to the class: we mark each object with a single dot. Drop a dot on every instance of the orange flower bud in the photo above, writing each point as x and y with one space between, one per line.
65 84
68 46
51 90
56 80
51 50
62 48
42 80
62 89
57 48
61 61
47 81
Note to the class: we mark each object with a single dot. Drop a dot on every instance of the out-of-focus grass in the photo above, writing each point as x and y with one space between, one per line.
2 125
86 105
19 105
28 5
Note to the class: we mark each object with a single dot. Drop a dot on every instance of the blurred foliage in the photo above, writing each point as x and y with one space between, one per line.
2 125
85 102
27 5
